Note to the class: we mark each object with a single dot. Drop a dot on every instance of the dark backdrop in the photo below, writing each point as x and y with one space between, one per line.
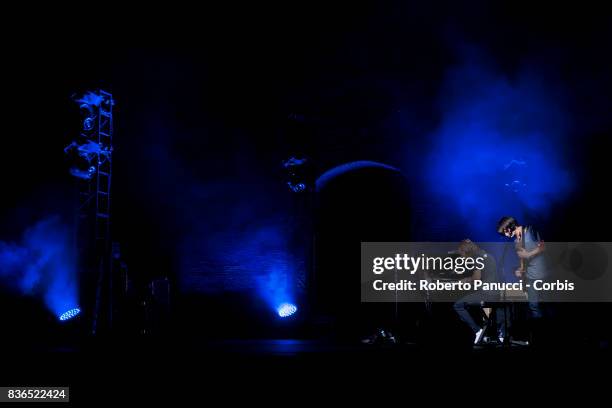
209 103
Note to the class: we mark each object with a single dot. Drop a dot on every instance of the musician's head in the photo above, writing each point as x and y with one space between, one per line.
507 226
468 249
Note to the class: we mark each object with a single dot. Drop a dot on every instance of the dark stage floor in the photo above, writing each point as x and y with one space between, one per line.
165 370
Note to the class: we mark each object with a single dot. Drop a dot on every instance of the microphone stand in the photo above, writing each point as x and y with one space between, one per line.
506 341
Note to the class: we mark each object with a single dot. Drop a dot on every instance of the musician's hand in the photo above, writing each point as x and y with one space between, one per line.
519 273
523 253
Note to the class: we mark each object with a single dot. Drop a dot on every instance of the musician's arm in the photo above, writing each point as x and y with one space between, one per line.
537 250
524 254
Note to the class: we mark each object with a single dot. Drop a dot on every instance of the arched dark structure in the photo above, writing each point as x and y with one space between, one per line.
356 202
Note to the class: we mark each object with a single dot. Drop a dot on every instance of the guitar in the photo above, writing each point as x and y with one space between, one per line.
520 245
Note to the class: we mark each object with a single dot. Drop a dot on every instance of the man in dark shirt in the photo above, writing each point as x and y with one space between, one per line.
479 298
529 248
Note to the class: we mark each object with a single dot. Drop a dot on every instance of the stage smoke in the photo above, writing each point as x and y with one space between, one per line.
42 264
499 148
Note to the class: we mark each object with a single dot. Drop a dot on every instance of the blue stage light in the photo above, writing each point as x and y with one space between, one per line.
70 314
286 309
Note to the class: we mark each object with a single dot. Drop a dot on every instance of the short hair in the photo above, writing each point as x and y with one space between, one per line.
506 223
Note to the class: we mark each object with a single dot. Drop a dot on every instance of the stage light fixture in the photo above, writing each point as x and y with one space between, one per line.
89 116
286 309
84 154
69 314
297 188
297 174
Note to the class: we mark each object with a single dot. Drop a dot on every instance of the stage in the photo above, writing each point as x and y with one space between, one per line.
233 206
